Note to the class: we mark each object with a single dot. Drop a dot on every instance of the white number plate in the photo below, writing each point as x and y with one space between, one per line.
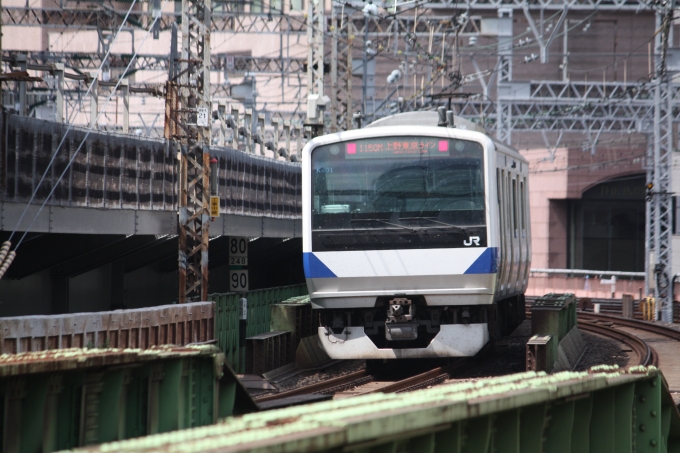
202 117
238 280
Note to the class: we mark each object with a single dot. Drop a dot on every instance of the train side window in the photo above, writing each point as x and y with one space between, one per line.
514 206
504 177
498 186
522 200
501 197
508 202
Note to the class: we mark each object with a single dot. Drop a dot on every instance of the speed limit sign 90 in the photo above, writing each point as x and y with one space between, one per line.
238 280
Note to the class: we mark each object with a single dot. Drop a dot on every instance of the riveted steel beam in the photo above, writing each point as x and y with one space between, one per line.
604 410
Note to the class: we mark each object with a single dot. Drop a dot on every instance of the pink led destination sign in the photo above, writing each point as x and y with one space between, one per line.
396 147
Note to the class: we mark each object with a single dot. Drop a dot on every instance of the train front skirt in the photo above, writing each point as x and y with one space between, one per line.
453 340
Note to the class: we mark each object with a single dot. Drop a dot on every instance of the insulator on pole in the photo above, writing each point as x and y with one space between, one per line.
4 250
7 262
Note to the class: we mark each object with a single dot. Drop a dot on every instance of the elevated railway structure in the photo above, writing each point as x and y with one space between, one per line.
121 184
112 221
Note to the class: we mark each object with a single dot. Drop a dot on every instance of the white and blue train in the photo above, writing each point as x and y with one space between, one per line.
416 238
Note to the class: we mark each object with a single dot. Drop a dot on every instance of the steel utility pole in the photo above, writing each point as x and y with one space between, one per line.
341 70
193 131
504 65
658 228
316 101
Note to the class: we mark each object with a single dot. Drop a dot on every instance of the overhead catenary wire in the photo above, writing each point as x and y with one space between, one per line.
420 4
70 126
87 134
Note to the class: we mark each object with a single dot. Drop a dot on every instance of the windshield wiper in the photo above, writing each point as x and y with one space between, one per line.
415 230
433 220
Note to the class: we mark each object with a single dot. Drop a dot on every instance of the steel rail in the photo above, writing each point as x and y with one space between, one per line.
317 387
356 379
587 322
635 324
647 355
423 379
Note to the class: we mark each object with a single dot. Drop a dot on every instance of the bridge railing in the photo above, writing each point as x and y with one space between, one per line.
227 326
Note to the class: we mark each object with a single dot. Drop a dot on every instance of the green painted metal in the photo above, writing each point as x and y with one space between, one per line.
294 315
258 322
54 400
554 314
528 412
556 343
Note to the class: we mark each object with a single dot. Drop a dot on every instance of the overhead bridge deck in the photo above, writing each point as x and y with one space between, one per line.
123 184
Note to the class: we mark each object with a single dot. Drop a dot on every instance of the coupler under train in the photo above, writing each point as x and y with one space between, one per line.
406 327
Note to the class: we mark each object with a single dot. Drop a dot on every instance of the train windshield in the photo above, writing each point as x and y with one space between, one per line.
398 193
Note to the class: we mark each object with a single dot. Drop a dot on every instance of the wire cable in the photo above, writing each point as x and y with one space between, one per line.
70 125
89 131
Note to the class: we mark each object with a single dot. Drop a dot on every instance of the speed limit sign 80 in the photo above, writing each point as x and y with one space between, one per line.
238 251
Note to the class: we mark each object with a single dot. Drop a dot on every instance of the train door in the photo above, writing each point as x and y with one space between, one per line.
524 237
514 249
502 268
527 219
521 234
507 227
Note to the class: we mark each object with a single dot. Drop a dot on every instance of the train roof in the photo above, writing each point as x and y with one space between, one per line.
424 118
431 118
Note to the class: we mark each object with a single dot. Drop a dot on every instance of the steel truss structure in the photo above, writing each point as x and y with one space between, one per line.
230 22
568 106
241 63
577 5
341 72
92 19
316 30
193 119
659 218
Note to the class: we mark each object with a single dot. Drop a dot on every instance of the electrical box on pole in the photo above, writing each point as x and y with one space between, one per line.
193 123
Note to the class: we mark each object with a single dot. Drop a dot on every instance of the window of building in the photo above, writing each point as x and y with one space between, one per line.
607 226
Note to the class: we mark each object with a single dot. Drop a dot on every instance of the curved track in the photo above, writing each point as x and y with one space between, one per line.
663 342
634 323
362 382
647 355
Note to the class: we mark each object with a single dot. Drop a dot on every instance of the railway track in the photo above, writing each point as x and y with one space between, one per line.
634 323
646 355
362 383
594 323
662 340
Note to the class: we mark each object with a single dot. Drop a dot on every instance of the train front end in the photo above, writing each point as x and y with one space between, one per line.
400 250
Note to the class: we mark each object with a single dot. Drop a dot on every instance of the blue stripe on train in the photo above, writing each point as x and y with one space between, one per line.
315 268
487 263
